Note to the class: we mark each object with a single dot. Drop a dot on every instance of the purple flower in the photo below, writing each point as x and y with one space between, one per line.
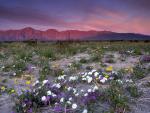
30 110
48 98
90 97
58 108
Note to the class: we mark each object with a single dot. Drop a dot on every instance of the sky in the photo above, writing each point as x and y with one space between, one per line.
112 15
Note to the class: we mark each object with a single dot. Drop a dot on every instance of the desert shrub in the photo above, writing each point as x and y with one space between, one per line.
89 67
4 80
138 72
83 60
23 55
137 51
28 78
17 67
117 97
70 51
45 70
133 90
42 77
47 52
2 56
110 60
147 84
95 58
7 68
76 65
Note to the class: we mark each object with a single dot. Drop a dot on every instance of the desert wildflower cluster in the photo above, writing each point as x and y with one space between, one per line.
87 77
63 95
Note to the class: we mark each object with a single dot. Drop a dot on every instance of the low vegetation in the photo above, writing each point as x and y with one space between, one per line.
48 75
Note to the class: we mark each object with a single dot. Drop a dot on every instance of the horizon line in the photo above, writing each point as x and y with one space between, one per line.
71 30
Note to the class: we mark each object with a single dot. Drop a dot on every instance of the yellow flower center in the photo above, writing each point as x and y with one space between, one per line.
28 82
110 68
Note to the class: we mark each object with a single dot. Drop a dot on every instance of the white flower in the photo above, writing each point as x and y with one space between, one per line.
95 88
49 93
89 90
82 73
24 105
64 75
77 94
69 65
33 67
90 73
43 98
65 81
96 74
93 70
105 47
61 77
3 67
36 93
73 78
129 80
45 81
74 106
103 80
39 87
100 76
89 79
85 111
83 78
120 81
111 78
37 82
130 51
58 85
74 90
56 103
54 95
34 90
86 94
70 99
62 100
68 102
14 74
114 72
82 90
85 73
69 88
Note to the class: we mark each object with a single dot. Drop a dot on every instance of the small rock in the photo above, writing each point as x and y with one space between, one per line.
145 58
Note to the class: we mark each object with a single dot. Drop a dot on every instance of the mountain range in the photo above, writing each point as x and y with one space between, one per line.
28 33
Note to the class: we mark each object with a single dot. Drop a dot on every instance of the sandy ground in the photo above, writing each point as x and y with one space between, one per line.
141 105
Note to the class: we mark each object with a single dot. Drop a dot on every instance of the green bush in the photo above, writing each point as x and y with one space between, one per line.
117 98
47 52
138 72
83 60
132 89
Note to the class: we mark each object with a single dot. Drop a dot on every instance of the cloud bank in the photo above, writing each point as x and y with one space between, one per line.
114 15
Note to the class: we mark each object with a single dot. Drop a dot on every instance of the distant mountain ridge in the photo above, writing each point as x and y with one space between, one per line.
29 33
